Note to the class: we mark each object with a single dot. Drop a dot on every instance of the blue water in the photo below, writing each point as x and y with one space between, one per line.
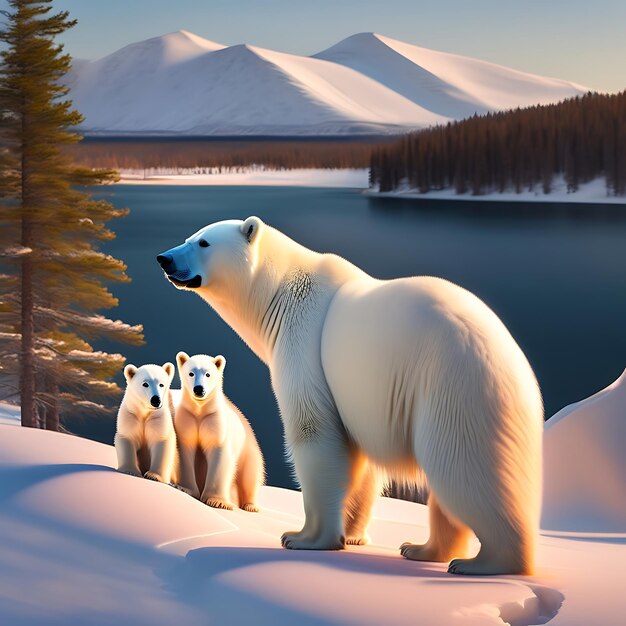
556 277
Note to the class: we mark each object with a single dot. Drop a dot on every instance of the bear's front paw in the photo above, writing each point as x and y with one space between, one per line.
250 507
153 476
130 471
300 541
219 503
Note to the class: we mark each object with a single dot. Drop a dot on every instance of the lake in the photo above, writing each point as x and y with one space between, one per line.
555 275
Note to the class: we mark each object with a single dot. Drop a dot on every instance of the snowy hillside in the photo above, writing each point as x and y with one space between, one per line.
81 544
181 83
585 464
449 84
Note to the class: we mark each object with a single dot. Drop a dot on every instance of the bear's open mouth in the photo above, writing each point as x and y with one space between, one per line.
190 283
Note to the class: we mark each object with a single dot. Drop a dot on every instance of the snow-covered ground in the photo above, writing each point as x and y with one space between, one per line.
347 178
182 84
585 490
81 544
593 192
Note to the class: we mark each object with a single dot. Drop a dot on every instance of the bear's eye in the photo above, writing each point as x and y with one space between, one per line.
145 384
207 375
203 243
161 385
191 374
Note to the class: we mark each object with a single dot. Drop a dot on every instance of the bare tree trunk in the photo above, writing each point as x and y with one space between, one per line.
27 352
27 360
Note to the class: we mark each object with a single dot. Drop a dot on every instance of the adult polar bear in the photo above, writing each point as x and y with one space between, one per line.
414 374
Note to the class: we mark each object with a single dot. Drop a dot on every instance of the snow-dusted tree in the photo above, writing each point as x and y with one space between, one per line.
53 275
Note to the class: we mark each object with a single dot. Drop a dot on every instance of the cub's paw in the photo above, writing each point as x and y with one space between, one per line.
190 492
250 507
361 540
299 541
153 476
130 471
219 503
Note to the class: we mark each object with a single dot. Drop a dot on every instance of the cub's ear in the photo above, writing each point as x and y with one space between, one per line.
129 371
169 370
182 358
251 228
220 362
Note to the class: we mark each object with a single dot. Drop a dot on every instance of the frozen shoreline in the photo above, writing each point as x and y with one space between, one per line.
344 178
589 193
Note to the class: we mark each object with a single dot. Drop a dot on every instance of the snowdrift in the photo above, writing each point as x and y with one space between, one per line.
183 84
83 544
585 464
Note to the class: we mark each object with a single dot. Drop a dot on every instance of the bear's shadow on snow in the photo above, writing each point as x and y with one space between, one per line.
208 562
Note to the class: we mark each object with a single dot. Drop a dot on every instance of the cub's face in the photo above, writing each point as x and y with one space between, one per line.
201 374
149 384
214 256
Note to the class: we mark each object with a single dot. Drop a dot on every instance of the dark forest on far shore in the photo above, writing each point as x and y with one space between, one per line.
579 139
228 153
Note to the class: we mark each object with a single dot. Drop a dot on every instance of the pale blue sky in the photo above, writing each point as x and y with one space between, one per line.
572 39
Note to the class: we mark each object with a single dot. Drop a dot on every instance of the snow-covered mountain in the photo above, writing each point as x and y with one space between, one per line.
183 84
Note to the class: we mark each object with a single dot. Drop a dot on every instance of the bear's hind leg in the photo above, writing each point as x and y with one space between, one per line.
506 548
364 488
250 476
447 538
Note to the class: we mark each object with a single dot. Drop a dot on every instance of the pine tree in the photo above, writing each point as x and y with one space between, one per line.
53 275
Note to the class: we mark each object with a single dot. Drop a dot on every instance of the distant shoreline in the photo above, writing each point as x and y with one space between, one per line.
593 192
304 177
175 138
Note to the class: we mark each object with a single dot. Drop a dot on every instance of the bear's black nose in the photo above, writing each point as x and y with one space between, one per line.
165 260
155 401
199 390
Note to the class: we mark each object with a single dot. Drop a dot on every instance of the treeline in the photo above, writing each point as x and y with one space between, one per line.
576 141
127 154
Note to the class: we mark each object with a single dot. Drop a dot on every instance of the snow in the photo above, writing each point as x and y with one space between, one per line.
585 464
593 192
347 178
9 414
183 84
452 85
83 544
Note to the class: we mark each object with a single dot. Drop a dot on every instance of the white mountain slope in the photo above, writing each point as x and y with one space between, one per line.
452 85
183 84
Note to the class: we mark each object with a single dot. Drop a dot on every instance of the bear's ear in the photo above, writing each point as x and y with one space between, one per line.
220 362
129 371
169 370
182 358
251 228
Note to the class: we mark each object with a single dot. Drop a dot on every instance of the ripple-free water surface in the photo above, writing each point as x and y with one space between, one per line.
557 279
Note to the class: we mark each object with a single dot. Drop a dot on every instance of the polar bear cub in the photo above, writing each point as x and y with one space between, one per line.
208 422
145 440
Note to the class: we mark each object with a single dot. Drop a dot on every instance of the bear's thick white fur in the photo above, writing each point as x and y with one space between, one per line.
413 375
145 441
208 421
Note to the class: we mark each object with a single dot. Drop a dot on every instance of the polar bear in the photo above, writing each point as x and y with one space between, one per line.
208 421
145 441
414 375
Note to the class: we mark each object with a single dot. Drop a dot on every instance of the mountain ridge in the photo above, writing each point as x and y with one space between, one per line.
183 84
